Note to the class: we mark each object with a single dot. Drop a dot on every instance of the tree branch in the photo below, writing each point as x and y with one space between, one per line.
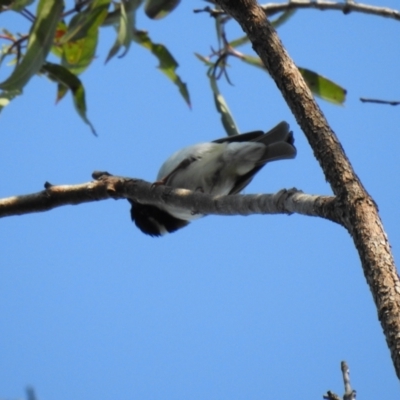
345 7
349 393
359 213
378 101
107 186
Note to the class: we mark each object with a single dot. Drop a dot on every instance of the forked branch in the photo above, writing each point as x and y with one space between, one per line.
359 213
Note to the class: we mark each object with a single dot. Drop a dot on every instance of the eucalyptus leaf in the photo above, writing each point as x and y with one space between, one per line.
240 41
86 20
219 30
318 84
167 65
113 17
253 60
324 87
39 43
5 3
62 90
57 48
70 81
222 107
6 97
125 31
16 5
80 41
77 55
157 9
284 17
205 60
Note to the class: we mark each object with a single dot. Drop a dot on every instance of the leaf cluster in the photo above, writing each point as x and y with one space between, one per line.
72 37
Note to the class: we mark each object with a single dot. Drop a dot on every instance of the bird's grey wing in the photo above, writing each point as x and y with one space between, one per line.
244 137
183 158
181 166
279 146
243 180
274 152
280 132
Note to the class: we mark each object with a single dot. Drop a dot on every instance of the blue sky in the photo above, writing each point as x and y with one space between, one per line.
229 307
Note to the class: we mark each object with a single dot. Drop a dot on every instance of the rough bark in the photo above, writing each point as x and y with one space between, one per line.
107 186
357 210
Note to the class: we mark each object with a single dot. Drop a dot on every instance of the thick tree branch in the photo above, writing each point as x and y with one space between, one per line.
359 212
115 187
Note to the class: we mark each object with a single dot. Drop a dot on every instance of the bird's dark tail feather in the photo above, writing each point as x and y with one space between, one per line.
280 143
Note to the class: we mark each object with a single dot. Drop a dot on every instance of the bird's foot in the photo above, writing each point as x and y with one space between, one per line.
159 182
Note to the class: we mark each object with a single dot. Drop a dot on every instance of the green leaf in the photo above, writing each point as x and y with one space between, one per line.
219 29
275 23
205 60
77 55
70 81
80 42
239 42
114 17
62 90
319 85
253 60
89 19
324 87
61 30
157 9
15 5
6 97
39 44
5 3
125 31
222 107
284 17
167 65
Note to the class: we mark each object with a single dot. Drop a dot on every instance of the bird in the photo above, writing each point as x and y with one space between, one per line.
222 167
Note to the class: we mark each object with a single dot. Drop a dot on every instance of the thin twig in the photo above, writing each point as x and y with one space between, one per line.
349 393
77 8
212 11
28 15
331 396
344 7
17 45
7 38
377 101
